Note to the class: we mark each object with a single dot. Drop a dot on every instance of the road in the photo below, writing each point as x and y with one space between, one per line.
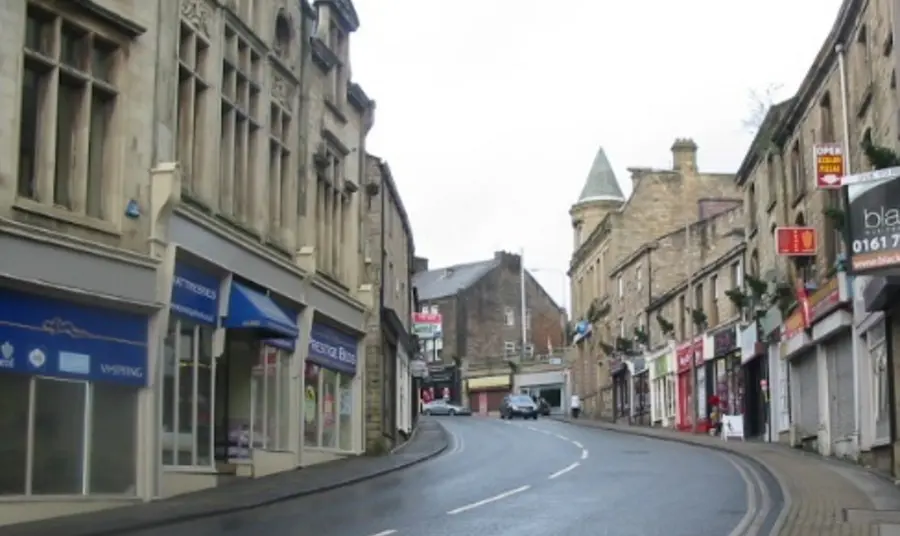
519 478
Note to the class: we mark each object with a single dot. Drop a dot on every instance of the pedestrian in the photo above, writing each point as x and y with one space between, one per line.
576 406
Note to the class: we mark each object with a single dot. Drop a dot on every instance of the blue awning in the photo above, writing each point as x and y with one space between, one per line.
249 309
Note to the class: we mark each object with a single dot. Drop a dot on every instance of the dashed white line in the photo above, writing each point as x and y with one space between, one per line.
584 454
385 532
489 500
564 470
564 438
577 444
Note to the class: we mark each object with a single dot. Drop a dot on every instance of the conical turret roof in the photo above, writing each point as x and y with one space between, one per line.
601 183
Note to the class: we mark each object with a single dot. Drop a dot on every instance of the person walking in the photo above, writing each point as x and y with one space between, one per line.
575 406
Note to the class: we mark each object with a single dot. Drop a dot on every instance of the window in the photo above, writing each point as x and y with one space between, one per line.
529 350
715 294
528 319
737 275
622 327
620 284
280 183
332 213
798 180
638 276
336 41
328 409
509 348
751 207
241 82
682 316
188 395
771 179
92 453
509 316
193 55
826 119
877 346
68 104
433 309
271 388
698 297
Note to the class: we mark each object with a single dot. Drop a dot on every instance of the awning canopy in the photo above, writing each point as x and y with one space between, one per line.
248 309
488 382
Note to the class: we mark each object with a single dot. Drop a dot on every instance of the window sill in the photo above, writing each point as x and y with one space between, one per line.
339 115
328 450
70 498
65 216
193 469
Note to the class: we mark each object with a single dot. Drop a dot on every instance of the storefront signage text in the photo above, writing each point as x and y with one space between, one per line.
684 352
795 241
724 341
195 294
50 337
332 349
829 160
874 217
661 366
427 326
825 299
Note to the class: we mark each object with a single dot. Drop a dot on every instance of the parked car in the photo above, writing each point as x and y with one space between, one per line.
442 407
518 406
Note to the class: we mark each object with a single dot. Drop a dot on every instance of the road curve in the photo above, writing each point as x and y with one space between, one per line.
523 478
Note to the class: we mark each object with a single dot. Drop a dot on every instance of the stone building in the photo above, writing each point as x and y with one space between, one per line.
828 375
389 344
608 228
206 315
480 305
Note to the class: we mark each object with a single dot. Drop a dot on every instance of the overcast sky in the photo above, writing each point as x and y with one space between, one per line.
489 112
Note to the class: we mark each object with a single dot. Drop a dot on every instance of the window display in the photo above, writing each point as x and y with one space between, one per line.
188 392
84 437
345 434
311 406
271 399
328 409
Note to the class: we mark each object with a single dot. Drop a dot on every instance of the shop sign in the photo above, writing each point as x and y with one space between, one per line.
793 325
417 368
795 241
750 346
771 322
661 366
195 294
874 222
829 160
825 299
724 341
438 373
49 337
803 305
684 352
427 326
332 349
583 330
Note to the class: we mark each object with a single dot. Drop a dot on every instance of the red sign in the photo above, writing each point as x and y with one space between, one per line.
829 161
795 241
684 352
804 308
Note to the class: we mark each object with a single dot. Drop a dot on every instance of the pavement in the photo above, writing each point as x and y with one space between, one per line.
428 441
820 496
524 478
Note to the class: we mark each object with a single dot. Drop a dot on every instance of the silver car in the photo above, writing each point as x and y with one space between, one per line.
442 407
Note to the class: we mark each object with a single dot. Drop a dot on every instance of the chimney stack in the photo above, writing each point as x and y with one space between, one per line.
420 264
684 155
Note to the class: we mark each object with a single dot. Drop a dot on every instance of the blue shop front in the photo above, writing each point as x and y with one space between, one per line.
227 385
72 377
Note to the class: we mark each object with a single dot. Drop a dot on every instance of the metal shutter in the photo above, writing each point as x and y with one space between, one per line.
805 395
839 353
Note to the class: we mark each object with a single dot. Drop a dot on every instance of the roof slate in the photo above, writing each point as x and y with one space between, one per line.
448 281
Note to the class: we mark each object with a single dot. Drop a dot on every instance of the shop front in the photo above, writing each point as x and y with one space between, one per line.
688 356
621 388
77 340
662 386
332 405
486 393
549 385
799 352
724 384
639 379
755 370
441 382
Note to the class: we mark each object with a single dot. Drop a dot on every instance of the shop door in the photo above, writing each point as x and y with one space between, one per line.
839 356
494 399
805 383
684 399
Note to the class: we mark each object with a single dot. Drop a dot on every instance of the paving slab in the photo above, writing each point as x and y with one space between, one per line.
822 497
428 441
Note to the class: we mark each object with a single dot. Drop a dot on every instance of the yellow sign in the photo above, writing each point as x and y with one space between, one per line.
488 382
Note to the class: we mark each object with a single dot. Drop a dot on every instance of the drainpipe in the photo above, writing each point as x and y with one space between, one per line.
845 116
382 268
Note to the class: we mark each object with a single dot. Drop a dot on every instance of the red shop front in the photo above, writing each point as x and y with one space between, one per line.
683 355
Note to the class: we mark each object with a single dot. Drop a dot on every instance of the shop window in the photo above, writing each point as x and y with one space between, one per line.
188 395
83 438
271 399
328 410
877 346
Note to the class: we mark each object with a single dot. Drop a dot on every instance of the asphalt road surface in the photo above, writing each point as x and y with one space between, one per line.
525 478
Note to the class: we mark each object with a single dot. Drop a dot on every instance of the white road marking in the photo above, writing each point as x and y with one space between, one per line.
385 532
584 454
564 438
563 471
489 500
577 444
747 518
